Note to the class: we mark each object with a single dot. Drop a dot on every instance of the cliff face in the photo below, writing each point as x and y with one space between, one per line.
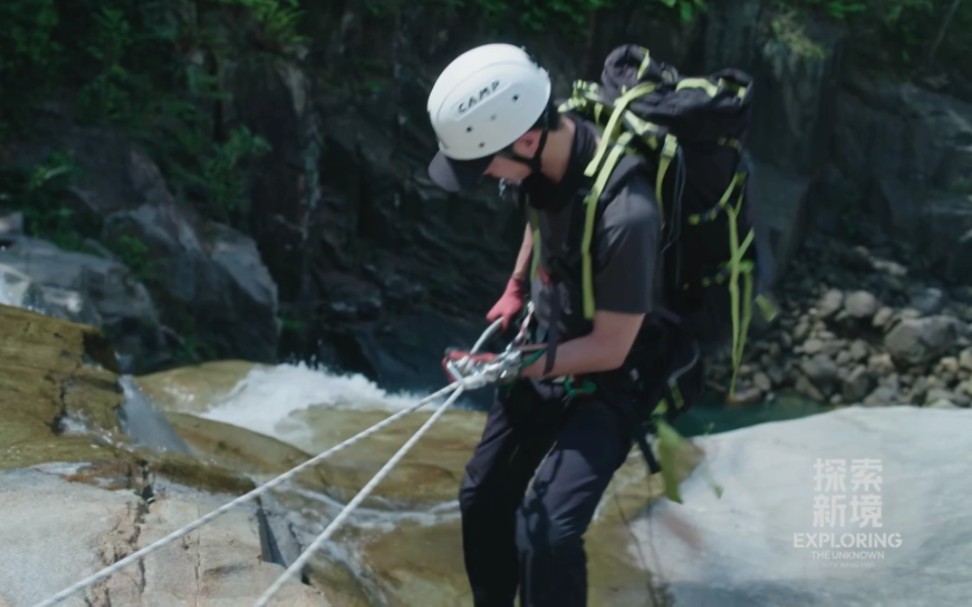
857 156
351 256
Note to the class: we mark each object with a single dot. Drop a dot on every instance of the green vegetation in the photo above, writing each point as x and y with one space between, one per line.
563 16
154 69
157 69
786 27
40 193
135 254
900 34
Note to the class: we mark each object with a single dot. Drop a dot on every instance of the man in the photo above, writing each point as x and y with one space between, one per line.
547 452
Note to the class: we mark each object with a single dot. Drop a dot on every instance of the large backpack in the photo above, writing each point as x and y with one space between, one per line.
690 133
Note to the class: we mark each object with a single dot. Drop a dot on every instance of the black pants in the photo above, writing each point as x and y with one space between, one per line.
518 534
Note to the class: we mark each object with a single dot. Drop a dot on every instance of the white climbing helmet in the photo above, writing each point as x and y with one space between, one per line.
482 102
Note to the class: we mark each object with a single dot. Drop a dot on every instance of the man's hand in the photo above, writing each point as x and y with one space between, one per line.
511 302
465 363
487 366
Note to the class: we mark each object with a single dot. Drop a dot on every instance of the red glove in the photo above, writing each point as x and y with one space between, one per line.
471 364
510 304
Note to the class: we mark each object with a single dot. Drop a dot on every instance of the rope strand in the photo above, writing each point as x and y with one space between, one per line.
457 387
178 533
299 563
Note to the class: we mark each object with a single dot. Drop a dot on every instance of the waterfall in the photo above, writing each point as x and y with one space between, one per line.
141 420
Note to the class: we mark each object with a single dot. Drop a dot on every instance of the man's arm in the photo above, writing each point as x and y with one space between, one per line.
521 271
625 258
517 287
603 349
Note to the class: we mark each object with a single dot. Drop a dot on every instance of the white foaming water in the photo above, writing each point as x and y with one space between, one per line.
6 297
265 400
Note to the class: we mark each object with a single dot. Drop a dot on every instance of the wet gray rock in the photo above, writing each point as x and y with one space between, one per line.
921 340
882 317
858 350
813 346
928 301
860 305
820 369
830 303
965 359
46 545
857 385
882 396
937 394
805 387
85 288
11 224
208 271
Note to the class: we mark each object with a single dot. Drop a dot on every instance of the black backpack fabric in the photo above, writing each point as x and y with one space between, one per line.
690 133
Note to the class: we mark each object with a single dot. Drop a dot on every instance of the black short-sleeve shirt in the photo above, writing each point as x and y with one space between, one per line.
624 251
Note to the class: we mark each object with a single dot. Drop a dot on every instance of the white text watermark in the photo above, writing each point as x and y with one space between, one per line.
848 514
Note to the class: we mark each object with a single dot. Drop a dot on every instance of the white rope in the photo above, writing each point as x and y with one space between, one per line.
298 564
131 558
456 387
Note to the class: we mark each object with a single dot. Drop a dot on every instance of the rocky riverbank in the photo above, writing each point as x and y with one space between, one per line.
63 522
79 494
857 325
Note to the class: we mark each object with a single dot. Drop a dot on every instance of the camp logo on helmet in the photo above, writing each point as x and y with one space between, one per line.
475 98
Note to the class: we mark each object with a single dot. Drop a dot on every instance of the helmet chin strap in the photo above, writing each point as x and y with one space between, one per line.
535 163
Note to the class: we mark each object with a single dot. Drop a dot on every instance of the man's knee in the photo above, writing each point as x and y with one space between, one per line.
539 532
470 494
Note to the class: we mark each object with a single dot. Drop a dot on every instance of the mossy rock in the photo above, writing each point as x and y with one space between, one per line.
196 388
245 452
59 401
55 371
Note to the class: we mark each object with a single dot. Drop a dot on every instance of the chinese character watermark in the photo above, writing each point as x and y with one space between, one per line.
847 493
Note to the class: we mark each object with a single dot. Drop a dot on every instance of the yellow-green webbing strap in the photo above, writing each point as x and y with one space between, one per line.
697 218
645 63
648 132
737 266
767 308
613 125
590 208
698 83
670 442
534 217
669 149
584 93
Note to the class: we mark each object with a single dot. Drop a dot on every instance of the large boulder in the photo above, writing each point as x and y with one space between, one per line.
84 288
909 151
78 494
919 340
210 280
57 384
46 547
212 292
796 79
112 171
767 540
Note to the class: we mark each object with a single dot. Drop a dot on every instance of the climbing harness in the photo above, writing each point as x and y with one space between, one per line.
498 370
